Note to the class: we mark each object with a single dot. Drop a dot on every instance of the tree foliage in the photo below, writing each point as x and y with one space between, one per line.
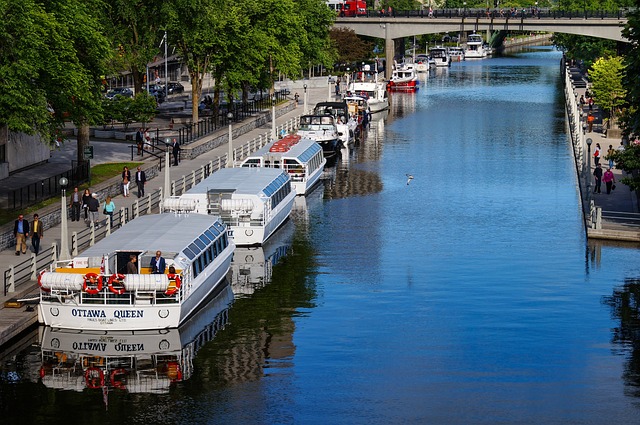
583 48
606 84
628 159
631 116
349 46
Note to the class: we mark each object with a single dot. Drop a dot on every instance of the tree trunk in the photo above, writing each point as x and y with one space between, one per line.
195 96
83 140
138 80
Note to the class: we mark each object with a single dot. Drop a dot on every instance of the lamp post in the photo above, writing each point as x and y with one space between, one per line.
304 110
167 176
64 240
230 154
588 176
329 89
464 13
273 116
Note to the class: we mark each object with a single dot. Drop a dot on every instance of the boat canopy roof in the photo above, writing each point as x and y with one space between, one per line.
251 181
169 233
303 150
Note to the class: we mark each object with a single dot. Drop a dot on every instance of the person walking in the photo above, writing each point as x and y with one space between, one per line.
93 206
76 202
610 154
597 153
141 180
175 149
21 233
597 173
590 120
158 264
109 208
126 181
296 97
37 233
86 197
609 179
139 140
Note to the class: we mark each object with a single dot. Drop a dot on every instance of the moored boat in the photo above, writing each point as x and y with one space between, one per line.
456 54
301 158
347 128
323 130
475 47
440 55
99 291
403 77
252 202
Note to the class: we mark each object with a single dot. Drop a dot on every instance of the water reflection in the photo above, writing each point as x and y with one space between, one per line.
136 361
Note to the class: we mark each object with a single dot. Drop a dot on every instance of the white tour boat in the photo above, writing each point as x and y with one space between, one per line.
130 361
347 128
94 291
475 47
403 77
252 202
322 129
456 54
440 55
301 158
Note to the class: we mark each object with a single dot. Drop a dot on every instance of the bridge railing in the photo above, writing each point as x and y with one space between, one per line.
503 13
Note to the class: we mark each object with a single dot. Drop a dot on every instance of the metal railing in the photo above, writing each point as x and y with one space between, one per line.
27 270
493 12
47 188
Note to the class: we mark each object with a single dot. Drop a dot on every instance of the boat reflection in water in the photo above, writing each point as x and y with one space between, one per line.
135 361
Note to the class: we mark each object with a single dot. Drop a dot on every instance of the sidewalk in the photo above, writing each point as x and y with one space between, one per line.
14 320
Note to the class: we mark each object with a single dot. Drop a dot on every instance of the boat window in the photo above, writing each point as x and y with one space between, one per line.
210 235
215 229
252 162
200 244
190 254
205 239
193 247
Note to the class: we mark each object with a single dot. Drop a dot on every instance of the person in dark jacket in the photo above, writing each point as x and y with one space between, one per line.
175 148
141 180
86 197
21 233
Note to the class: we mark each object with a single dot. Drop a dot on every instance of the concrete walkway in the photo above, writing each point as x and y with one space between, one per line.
15 320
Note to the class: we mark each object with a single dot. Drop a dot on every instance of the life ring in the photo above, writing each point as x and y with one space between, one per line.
174 373
40 281
92 283
119 383
118 280
94 378
173 288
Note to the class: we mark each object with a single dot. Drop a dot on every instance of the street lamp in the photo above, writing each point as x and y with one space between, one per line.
304 110
464 3
329 89
167 162
230 154
588 176
273 117
64 240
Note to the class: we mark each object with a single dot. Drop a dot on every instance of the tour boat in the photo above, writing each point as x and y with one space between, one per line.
440 55
403 77
132 361
252 202
94 291
456 54
301 158
475 47
347 128
322 129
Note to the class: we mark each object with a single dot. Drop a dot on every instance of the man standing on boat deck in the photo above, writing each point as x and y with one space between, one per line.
158 264
131 265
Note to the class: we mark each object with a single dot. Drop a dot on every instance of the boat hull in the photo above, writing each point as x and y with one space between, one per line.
402 85
257 235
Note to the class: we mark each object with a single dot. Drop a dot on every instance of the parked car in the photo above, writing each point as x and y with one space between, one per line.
119 91
157 91
174 87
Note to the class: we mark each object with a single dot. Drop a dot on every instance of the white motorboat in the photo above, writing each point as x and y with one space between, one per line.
456 54
347 128
440 56
301 158
403 77
423 63
252 202
323 130
369 86
130 361
94 291
475 47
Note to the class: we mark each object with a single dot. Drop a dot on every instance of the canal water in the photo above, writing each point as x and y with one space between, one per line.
467 294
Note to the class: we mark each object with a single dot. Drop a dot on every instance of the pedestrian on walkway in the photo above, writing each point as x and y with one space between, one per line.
93 206
590 104
86 197
597 154
37 233
21 233
141 180
582 102
296 97
590 120
76 202
610 154
609 179
126 181
597 173
139 140
109 208
175 149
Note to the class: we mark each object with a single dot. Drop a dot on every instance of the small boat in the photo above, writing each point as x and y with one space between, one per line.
347 128
475 47
456 54
301 158
94 291
130 361
440 55
424 63
323 130
403 77
252 202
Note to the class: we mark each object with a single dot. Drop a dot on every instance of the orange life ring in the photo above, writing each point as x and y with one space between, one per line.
119 383
40 281
92 283
118 279
172 289
94 378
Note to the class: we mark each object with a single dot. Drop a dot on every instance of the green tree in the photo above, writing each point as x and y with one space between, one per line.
349 46
606 84
583 48
631 116
629 160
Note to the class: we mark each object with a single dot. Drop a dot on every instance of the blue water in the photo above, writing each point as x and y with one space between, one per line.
469 295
